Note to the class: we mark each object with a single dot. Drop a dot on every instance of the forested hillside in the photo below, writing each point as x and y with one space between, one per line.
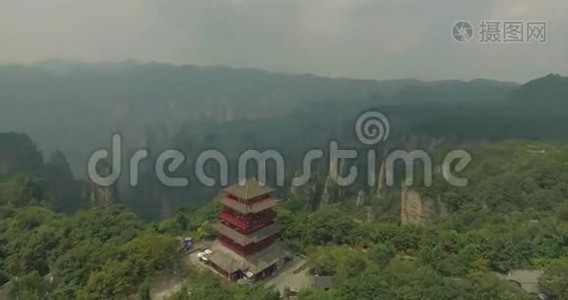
514 215
64 237
160 106
420 125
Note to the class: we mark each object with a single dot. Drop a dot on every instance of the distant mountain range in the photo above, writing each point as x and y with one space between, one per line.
75 107
549 92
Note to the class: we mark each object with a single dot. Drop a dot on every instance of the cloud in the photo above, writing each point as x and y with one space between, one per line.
546 10
355 38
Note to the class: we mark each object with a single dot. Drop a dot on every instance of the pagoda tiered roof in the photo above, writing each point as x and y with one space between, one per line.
248 189
250 238
248 235
254 208
231 262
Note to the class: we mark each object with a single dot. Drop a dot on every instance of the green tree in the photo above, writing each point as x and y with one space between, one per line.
144 291
554 280
31 286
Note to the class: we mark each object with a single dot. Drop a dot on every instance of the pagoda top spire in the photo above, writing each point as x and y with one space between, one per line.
247 189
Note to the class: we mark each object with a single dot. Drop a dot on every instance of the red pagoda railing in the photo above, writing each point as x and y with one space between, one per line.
248 223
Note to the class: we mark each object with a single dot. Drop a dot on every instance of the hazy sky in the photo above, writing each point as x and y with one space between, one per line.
380 39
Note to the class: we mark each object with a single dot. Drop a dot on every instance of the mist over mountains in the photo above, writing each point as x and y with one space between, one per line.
75 107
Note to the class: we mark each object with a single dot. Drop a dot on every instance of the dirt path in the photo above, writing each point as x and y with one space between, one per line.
166 289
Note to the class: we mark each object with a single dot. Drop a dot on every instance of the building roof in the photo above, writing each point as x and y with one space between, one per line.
528 279
243 239
323 282
248 189
253 208
6 289
232 262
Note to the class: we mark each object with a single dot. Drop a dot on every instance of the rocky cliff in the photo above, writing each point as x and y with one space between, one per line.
418 210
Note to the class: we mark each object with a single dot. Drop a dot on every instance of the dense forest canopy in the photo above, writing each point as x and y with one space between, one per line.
514 215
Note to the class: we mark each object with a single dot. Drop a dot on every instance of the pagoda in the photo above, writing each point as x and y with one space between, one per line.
248 243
